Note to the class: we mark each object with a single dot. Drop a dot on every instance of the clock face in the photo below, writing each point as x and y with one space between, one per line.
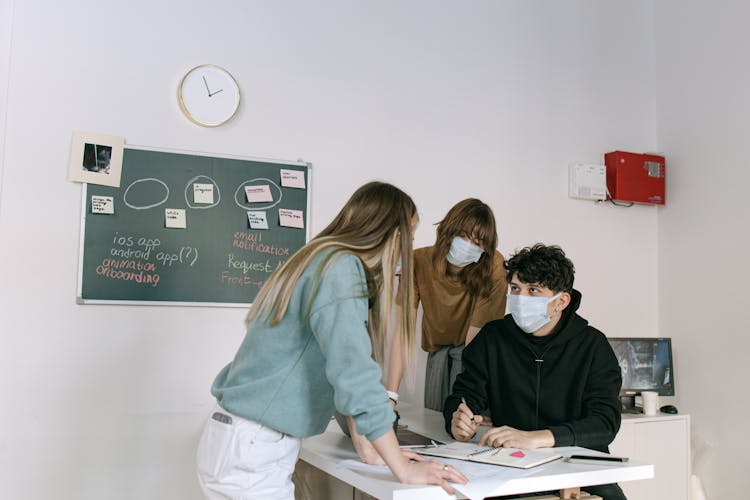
208 95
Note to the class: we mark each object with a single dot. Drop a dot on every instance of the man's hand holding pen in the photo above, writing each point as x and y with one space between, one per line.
464 422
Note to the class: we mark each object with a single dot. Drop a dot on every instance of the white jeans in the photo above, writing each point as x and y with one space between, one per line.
242 459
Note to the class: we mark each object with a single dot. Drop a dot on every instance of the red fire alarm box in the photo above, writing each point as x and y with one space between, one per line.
635 177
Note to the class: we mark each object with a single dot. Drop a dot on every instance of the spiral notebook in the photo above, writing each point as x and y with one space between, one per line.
510 457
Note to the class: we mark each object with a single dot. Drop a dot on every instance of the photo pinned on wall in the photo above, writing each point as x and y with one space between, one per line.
96 158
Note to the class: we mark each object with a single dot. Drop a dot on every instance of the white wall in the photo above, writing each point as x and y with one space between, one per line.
703 124
6 17
448 100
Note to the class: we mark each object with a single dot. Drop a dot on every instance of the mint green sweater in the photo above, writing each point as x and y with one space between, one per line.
290 377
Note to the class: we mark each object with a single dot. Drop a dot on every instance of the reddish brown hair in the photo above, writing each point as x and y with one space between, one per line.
470 218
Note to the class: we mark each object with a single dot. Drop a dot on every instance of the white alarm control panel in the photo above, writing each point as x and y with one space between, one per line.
587 181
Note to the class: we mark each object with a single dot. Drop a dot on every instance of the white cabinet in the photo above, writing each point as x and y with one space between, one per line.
662 440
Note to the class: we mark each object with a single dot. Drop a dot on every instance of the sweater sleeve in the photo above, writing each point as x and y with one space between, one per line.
471 383
601 417
339 323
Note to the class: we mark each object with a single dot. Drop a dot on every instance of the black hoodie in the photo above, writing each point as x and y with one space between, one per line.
567 382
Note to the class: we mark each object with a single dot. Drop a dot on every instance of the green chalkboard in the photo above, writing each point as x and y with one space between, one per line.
219 257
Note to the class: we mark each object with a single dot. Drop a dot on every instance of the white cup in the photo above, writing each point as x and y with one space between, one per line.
650 402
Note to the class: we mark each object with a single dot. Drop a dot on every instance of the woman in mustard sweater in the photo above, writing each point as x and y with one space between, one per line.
460 282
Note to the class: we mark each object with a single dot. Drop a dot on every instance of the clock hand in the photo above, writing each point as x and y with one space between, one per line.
214 93
206 84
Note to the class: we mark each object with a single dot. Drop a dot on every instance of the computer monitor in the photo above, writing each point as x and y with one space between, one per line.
646 365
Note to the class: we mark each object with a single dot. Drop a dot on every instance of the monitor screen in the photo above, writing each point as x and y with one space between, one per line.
646 364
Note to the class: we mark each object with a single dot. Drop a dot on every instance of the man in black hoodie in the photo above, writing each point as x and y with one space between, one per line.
547 377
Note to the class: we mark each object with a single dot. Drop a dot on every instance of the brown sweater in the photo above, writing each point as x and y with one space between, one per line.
449 309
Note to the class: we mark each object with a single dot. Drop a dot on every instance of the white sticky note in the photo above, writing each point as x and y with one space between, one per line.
257 220
291 218
175 218
292 178
102 204
203 193
259 193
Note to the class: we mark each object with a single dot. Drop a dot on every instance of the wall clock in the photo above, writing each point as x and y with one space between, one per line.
208 95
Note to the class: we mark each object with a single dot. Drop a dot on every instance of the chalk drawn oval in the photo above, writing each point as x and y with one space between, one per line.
245 205
141 181
217 193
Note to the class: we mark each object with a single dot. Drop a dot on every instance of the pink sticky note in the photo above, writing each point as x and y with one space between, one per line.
259 193
291 218
292 178
518 454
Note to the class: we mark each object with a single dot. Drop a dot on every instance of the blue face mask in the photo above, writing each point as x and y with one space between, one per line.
462 252
529 313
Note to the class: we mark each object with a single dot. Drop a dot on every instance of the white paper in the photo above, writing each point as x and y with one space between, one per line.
292 178
102 205
175 218
484 478
359 465
203 193
259 193
291 218
257 220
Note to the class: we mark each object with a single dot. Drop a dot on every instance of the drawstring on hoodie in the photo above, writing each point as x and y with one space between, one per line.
538 362
538 359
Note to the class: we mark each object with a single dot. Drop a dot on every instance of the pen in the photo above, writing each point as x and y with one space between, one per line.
597 458
464 402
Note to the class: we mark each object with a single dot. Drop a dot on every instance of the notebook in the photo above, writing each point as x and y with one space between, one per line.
510 457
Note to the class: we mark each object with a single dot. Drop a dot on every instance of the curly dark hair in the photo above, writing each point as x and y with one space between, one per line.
544 265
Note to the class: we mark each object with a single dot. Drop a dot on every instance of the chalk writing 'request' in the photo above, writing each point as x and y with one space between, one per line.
138 259
251 242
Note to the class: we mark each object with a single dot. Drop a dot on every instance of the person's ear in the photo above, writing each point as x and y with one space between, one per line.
562 302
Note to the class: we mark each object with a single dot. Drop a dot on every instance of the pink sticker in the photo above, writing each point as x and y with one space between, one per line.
518 454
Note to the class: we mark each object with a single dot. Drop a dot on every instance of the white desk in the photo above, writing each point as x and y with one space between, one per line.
326 452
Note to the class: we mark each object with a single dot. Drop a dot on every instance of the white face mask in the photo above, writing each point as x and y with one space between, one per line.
462 252
529 313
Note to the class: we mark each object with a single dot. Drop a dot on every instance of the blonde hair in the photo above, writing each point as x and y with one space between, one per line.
376 225
469 218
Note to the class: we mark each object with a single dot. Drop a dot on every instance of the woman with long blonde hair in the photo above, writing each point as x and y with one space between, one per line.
314 334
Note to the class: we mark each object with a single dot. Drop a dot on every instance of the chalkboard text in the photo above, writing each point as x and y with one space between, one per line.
260 266
238 280
186 255
129 270
254 243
